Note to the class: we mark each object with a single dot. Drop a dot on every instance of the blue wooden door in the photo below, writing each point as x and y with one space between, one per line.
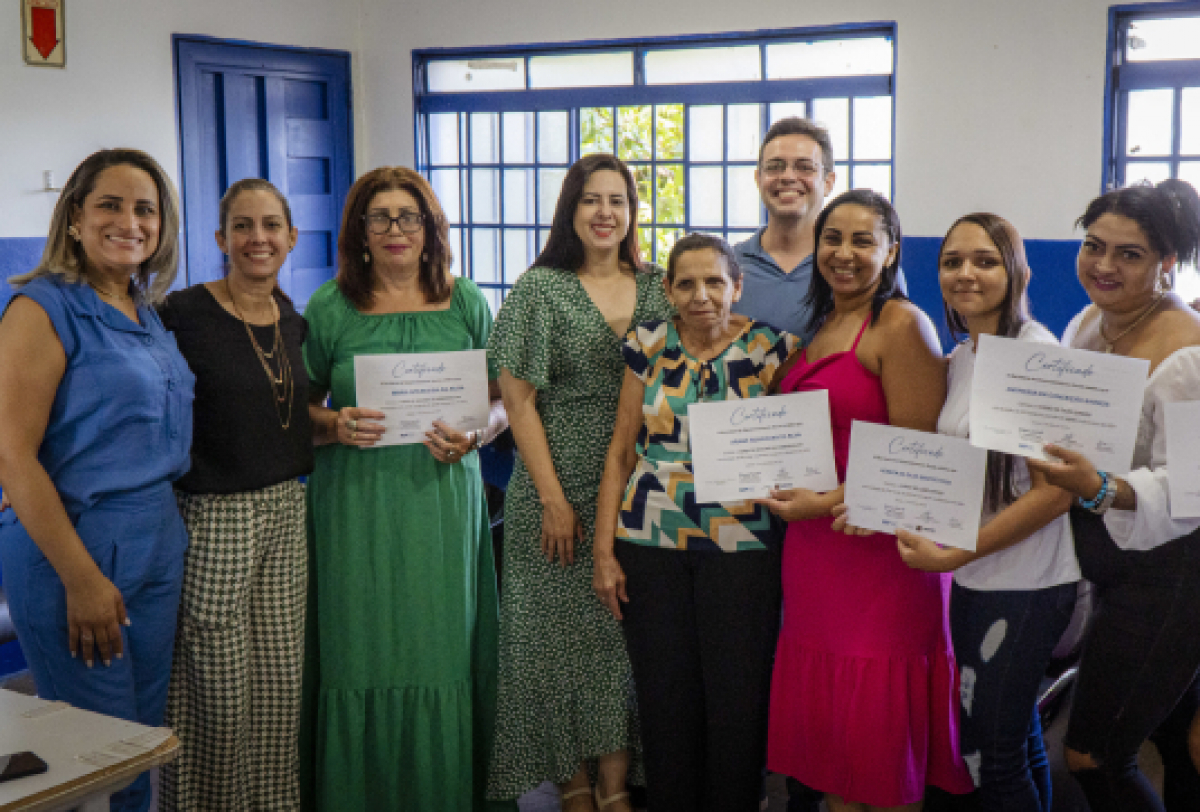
283 114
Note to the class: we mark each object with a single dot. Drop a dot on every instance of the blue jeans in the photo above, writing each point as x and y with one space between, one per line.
1003 640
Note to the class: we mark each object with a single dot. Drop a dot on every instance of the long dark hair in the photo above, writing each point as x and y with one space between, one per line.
564 249
354 277
1168 214
1000 487
820 295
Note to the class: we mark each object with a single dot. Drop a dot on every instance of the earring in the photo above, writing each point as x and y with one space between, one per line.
73 231
424 257
1166 282
367 257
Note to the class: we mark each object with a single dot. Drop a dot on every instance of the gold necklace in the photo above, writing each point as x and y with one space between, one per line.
1110 342
116 297
283 385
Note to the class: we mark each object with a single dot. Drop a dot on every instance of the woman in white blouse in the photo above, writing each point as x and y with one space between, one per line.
1013 596
1143 649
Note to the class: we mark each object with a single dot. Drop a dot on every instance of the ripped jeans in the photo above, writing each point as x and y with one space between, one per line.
1003 640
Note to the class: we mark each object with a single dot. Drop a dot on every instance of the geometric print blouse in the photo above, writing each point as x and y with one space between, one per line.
659 508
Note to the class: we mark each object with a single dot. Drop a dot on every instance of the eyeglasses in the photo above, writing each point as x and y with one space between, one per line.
803 168
379 222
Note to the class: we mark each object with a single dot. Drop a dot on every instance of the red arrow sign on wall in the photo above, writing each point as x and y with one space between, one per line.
45 30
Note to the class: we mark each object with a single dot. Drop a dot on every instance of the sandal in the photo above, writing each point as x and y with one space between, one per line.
616 797
564 797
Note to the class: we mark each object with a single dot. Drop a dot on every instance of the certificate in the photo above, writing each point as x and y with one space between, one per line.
1183 458
741 449
931 484
413 390
1025 395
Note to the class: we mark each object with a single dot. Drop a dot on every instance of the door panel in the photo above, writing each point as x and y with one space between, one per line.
277 113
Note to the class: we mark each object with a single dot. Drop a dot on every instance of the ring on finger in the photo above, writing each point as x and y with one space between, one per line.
352 424
353 435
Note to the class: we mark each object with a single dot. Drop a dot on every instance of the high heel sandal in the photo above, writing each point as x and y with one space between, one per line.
616 797
563 797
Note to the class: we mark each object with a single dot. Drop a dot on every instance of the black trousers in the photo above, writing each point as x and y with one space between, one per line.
1141 655
701 630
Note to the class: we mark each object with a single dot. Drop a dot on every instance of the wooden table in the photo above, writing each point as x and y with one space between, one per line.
90 756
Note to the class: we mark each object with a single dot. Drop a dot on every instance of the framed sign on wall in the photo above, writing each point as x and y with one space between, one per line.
44 33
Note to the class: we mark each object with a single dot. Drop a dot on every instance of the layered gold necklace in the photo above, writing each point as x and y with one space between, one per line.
283 385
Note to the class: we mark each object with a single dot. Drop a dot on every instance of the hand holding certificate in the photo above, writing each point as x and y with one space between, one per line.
743 449
413 390
1025 396
931 484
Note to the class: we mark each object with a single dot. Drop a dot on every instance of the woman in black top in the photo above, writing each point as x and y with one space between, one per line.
234 699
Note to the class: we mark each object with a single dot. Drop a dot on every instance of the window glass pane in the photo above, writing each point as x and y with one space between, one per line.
633 133
443 138
1148 120
1189 136
1151 40
841 181
644 176
706 132
474 75
485 138
668 132
543 238
874 177
485 254
745 131
464 251
646 244
552 137
863 56
706 196
735 237
581 70
873 128
665 239
689 65
744 205
518 138
455 239
669 201
1153 171
494 298
595 130
485 195
835 115
549 185
518 196
787 109
1190 171
518 253
446 187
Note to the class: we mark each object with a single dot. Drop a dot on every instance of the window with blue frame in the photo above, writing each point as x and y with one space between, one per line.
1154 104
497 128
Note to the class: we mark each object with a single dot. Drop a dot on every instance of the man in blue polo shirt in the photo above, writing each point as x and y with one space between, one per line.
794 175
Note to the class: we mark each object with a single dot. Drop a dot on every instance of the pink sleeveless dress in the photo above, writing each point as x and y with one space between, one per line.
864 698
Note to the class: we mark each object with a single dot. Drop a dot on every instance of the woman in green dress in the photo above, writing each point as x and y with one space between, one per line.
566 696
400 681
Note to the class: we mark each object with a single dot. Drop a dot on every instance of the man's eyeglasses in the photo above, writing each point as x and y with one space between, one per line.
803 168
379 222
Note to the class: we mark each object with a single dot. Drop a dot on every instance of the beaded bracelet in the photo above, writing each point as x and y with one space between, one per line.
1093 503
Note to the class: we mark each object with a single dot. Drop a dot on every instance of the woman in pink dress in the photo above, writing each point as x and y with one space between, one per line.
864 694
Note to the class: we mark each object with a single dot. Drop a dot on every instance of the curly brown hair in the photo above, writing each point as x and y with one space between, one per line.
355 278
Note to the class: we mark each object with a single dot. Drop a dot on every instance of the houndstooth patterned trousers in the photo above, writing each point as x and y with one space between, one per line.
234 698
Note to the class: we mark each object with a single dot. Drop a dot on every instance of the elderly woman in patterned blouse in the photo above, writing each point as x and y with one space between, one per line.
696 584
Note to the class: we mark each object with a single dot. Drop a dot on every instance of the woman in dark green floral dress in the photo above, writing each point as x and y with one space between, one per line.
566 695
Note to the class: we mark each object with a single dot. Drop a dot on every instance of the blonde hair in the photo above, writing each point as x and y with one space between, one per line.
64 256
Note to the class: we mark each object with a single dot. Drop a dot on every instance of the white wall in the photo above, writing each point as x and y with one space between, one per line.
118 88
999 105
